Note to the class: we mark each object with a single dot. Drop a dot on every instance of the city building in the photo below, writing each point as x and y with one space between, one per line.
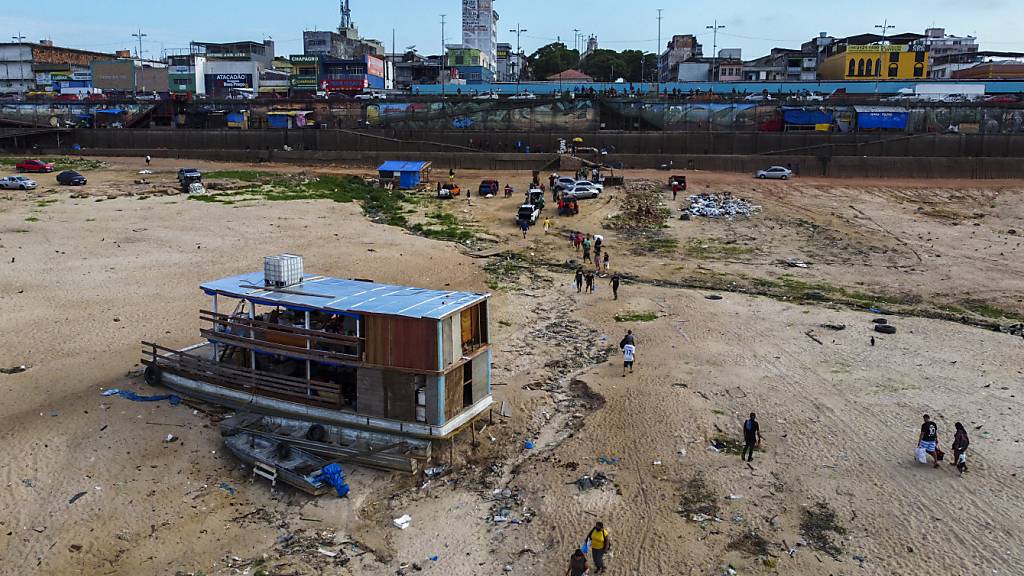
994 69
411 68
872 56
782 64
28 66
505 63
728 67
186 74
680 48
305 78
694 70
480 29
130 76
591 47
347 45
816 48
392 359
261 53
338 75
470 64
940 45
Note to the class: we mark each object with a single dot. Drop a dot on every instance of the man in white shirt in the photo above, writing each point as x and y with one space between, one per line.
628 355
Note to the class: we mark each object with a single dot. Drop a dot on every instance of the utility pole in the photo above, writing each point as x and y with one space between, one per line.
19 38
519 50
714 48
140 36
658 52
443 58
576 39
885 26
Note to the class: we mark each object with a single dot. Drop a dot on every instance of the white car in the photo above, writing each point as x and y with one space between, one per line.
370 96
583 192
759 98
523 96
775 173
589 184
565 183
18 183
486 96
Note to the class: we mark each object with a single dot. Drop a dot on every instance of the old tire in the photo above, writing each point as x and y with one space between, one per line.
885 328
316 433
880 321
152 375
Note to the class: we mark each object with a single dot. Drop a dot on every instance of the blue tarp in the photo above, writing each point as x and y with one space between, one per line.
175 400
110 111
806 116
881 118
333 475
278 120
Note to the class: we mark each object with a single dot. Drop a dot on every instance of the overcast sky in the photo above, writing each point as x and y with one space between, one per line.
756 27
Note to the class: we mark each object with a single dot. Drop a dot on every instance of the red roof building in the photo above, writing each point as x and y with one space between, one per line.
570 76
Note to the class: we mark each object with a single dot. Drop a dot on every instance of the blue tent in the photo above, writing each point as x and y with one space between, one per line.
881 117
805 116
410 174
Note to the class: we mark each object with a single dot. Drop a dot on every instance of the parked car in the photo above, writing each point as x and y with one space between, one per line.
1003 99
486 96
371 96
527 213
188 174
34 166
489 187
590 184
71 178
775 173
17 183
759 98
523 96
565 183
582 191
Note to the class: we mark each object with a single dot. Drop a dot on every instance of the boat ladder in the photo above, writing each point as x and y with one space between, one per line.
264 470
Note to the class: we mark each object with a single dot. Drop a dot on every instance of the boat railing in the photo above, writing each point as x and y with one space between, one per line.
292 341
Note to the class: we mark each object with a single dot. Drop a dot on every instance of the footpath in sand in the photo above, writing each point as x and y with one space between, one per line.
82 282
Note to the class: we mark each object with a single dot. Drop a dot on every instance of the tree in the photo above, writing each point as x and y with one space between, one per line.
551 59
604 66
639 67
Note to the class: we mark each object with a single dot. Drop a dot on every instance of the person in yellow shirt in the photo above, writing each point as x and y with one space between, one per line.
600 542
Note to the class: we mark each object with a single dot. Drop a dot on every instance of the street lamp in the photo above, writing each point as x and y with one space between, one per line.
714 46
441 67
885 27
657 53
519 52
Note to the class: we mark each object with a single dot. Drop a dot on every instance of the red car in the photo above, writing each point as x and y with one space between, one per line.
34 166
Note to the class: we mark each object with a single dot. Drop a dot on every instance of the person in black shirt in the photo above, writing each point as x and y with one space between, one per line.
929 438
579 280
614 282
577 564
960 444
751 437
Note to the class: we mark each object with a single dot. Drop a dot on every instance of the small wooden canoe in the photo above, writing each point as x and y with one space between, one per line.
293 466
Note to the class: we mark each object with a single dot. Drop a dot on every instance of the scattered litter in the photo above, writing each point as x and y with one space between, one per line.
682 452
14 369
717 446
402 522
75 548
719 206
836 327
712 297
40 529
145 171
170 438
735 497
700 517
76 497
434 558
327 552
54 413
506 409
657 462
333 475
794 263
528 444
174 399
986 434
435 471
608 459
590 482
227 488
28 482
860 559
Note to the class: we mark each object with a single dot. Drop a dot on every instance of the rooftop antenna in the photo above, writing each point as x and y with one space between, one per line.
140 36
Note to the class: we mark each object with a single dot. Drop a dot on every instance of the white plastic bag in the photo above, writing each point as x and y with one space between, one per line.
922 456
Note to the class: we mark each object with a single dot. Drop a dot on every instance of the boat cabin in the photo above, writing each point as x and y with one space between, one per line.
355 353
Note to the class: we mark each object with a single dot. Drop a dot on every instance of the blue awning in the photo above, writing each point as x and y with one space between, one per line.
110 111
806 116
402 166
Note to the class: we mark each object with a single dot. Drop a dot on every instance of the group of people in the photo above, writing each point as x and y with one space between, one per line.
928 445
599 542
579 241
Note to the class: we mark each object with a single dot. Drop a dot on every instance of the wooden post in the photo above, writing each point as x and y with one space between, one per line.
490 415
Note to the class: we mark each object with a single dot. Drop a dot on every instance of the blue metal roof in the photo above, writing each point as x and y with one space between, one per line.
341 295
402 166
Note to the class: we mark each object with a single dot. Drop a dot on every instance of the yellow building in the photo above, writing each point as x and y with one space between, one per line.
873 61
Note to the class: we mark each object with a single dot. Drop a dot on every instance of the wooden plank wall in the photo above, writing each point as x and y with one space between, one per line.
401 395
453 394
401 342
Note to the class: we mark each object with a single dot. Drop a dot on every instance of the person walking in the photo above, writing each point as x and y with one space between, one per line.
606 262
628 357
751 437
547 225
929 439
586 248
597 263
577 240
577 564
960 444
600 544
451 175
615 284
148 159
675 190
589 278
525 227
627 339
579 280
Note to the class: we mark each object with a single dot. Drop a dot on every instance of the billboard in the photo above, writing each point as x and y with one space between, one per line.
352 83
374 66
303 82
221 83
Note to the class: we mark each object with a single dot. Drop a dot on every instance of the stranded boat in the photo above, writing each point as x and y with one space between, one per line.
276 460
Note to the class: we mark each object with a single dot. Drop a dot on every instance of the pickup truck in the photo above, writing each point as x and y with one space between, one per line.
527 213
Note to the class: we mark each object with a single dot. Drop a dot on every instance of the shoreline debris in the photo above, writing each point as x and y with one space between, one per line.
724 205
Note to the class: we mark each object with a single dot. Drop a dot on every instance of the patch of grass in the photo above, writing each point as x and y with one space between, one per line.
31 219
820 526
504 323
713 249
504 272
732 445
750 543
243 175
444 226
47 202
698 497
59 163
987 310
654 242
633 316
